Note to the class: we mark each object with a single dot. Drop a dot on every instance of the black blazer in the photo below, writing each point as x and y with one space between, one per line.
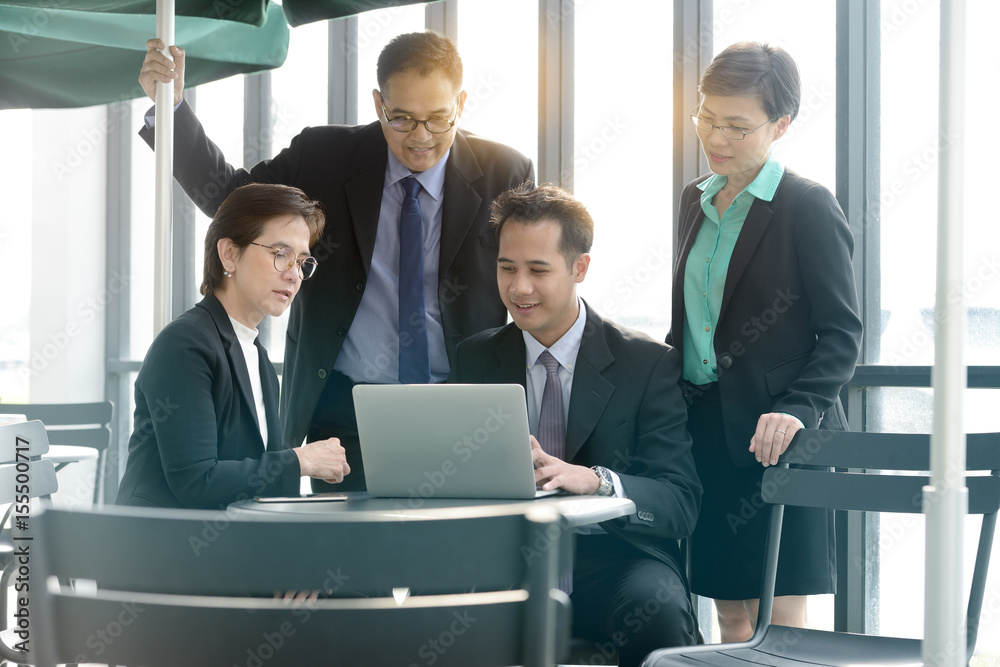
196 442
344 168
626 413
789 330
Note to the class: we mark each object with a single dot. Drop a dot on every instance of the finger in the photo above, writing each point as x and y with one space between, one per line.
534 443
179 56
155 44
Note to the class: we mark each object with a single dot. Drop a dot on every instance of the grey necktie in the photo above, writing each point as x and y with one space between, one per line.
551 426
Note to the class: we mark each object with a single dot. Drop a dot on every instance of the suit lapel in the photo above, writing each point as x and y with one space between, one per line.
691 224
511 359
269 385
461 172
591 390
753 229
364 190
237 362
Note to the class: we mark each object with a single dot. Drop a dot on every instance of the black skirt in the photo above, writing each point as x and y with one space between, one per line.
727 547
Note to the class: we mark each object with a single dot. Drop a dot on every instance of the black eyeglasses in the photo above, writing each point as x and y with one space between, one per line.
409 123
733 133
284 259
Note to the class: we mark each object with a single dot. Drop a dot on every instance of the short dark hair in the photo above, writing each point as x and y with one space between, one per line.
755 69
242 218
424 52
528 205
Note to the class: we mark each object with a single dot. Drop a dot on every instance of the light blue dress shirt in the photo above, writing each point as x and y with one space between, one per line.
371 349
565 350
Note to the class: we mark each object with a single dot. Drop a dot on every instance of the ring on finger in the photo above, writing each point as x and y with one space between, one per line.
780 431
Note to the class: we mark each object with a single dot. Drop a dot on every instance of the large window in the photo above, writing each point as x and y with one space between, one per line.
622 158
53 230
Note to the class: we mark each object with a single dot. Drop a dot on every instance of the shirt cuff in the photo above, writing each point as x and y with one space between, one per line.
801 425
619 489
150 117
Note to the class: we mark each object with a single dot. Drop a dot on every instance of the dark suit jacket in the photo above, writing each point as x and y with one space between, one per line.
789 332
196 442
626 413
344 168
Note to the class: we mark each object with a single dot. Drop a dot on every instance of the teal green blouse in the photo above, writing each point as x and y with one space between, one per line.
708 264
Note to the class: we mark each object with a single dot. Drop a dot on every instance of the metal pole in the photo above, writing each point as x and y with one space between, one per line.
164 147
946 500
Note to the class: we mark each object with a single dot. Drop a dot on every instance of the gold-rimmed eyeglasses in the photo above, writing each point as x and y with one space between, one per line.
284 259
409 123
732 133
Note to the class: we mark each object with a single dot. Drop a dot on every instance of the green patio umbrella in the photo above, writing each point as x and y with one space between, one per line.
90 54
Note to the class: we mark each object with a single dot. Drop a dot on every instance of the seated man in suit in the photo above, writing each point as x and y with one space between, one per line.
604 404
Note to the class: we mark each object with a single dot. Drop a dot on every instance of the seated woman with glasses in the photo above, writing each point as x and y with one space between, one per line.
206 429
765 315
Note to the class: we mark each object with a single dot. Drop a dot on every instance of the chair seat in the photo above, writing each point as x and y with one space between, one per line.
783 646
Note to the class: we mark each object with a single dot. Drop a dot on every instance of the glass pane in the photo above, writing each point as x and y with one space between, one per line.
299 90
982 233
16 364
375 29
809 146
220 109
143 211
629 277
503 91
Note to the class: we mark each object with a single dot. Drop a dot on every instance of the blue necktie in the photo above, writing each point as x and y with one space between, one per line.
414 359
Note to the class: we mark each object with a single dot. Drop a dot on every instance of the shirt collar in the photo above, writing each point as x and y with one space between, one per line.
432 180
245 334
565 349
762 187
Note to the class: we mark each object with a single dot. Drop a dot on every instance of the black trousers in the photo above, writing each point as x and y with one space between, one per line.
626 600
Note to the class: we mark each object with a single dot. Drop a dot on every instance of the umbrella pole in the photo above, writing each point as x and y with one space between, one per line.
946 500
164 148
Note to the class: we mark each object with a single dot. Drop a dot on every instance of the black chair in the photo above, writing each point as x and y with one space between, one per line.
814 473
77 424
23 475
193 587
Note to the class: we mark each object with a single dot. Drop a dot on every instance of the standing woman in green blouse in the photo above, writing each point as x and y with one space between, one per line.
765 314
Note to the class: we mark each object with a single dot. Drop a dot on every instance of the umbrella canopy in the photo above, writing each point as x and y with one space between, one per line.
58 58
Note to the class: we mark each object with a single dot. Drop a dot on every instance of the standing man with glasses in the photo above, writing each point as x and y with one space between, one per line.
408 256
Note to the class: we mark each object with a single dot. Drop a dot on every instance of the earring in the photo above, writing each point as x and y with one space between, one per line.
228 272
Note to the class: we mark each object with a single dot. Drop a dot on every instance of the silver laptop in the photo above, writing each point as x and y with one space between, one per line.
445 441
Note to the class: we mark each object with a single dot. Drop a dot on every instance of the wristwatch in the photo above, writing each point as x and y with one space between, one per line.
607 487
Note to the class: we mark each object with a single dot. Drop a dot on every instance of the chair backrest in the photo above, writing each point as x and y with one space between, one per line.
82 424
23 473
195 587
78 424
844 470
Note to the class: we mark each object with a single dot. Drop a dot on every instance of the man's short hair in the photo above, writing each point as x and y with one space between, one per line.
528 205
425 52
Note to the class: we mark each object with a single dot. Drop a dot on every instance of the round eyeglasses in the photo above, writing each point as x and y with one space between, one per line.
284 258
732 133
409 123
